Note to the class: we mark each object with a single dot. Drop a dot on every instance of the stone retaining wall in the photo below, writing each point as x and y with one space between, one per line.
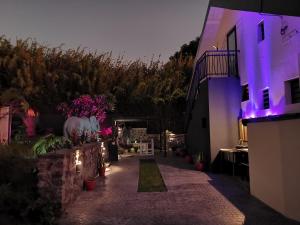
58 180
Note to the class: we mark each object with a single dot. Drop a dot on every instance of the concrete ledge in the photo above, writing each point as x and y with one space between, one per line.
291 116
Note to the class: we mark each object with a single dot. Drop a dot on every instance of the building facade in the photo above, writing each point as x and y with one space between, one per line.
245 88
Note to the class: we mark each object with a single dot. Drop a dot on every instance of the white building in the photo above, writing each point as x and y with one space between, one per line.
247 70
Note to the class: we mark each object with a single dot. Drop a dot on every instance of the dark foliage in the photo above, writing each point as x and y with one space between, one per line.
48 76
19 200
187 50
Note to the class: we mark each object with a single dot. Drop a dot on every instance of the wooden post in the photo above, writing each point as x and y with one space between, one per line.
5 125
165 143
160 137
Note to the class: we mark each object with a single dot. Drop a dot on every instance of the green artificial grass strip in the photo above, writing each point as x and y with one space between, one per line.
150 179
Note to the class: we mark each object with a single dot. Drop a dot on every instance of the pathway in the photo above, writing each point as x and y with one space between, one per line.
193 198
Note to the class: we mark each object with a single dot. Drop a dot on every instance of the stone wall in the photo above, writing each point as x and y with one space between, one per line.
58 180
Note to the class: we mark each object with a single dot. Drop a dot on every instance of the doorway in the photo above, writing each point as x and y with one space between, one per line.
232 52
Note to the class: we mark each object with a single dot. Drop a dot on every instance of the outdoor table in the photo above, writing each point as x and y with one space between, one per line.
230 155
112 151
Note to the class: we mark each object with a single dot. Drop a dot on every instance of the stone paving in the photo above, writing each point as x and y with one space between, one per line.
193 198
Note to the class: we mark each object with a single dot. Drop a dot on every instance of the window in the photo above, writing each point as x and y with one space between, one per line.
243 132
266 99
295 91
261 31
245 93
232 57
204 122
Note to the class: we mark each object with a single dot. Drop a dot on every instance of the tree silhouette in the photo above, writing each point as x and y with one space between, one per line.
48 76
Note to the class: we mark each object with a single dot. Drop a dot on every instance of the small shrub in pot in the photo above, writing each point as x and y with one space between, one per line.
199 161
90 183
188 159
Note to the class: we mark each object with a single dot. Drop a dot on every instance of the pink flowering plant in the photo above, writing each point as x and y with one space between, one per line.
86 106
105 132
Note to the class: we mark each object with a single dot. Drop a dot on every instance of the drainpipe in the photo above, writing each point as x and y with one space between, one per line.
261 6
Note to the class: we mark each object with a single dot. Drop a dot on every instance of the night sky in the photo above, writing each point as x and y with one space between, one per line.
134 28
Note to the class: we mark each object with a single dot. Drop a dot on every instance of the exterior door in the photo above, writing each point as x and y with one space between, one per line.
232 53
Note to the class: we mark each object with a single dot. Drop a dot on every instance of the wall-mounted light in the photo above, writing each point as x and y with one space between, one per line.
269 113
119 131
252 115
215 47
78 163
102 149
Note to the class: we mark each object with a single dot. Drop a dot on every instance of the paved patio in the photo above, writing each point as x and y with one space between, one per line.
193 198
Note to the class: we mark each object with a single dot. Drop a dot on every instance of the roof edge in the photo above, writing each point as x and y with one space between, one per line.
290 8
200 39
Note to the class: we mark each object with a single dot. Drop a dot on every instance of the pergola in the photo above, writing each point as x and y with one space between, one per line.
123 120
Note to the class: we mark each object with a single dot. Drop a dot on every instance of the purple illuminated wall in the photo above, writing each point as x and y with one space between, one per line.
267 64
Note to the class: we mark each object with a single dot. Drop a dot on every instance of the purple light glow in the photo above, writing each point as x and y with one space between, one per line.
248 60
260 113
252 115
255 64
269 113
257 114
250 111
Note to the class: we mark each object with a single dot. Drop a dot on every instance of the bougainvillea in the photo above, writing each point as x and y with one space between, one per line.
105 132
86 106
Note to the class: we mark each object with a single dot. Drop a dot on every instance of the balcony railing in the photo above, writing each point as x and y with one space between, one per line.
219 63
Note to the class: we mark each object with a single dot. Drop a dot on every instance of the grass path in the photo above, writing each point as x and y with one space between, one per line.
150 179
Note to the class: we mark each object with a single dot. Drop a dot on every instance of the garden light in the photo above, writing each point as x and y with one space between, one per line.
77 161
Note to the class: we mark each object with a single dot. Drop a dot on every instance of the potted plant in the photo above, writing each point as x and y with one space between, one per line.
188 159
101 164
90 183
50 143
199 161
94 136
102 170
182 152
75 138
178 151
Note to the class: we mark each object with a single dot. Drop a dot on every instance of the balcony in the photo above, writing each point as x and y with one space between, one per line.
212 64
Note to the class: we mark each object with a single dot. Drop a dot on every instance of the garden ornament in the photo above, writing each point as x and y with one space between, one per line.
81 126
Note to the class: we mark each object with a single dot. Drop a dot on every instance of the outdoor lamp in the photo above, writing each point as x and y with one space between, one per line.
77 162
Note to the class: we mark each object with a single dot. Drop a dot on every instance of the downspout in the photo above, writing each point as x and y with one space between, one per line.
261 6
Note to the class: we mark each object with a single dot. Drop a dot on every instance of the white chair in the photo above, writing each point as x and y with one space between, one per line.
151 149
145 149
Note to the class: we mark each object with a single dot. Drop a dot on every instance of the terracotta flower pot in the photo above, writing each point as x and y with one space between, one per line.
178 152
102 171
188 159
182 154
90 184
199 166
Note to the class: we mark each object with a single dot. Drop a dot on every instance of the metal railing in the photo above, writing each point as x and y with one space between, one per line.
218 63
